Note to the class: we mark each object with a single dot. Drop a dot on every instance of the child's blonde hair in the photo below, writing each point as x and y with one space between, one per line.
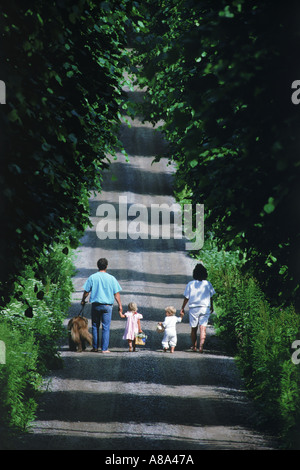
171 310
132 306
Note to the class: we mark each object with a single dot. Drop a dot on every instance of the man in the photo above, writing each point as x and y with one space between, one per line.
104 289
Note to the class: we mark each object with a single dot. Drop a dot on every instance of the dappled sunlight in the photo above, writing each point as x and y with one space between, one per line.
131 435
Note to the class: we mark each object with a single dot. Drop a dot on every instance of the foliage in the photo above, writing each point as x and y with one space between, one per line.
19 380
219 76
31 327
261 336
62 63
40 303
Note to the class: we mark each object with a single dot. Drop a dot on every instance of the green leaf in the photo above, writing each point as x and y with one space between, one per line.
14 116
270 207
193 163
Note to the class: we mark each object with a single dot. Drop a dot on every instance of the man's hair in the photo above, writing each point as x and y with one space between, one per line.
102 264
199 273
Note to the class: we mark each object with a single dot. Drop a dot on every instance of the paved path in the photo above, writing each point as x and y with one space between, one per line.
147 399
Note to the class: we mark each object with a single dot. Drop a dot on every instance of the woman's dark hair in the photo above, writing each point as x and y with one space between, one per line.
199 273
102 264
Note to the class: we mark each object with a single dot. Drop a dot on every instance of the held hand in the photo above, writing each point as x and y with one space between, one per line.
83 302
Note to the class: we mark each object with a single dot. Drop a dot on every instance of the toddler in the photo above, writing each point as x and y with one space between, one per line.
170 335
133 324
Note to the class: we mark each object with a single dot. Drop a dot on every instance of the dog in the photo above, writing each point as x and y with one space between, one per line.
79 333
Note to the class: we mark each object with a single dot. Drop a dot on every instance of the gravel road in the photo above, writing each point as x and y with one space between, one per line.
148 399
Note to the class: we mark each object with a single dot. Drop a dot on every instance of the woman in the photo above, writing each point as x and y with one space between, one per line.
198 294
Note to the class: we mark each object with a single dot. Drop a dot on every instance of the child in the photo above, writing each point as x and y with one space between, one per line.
170 335
133 325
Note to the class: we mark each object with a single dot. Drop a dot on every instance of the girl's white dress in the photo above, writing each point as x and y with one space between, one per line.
131 328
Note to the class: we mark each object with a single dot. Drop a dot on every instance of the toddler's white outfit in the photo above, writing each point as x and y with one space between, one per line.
170 335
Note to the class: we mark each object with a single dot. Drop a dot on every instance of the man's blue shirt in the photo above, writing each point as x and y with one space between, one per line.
102 287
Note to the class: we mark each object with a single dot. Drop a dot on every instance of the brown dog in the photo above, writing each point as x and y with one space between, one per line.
79 333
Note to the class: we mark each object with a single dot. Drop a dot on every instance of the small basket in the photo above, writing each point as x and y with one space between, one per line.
159 328
140 339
